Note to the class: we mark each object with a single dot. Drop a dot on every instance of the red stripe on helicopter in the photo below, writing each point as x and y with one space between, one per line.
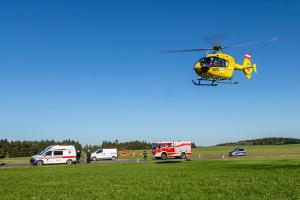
248 56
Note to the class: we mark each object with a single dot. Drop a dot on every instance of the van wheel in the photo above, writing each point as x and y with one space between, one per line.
94 158
69 162
113 158
39 163
163 156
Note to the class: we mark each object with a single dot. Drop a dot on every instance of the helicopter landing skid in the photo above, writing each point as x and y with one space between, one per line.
212 82
208 82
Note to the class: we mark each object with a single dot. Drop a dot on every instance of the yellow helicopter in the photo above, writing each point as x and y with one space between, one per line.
218 67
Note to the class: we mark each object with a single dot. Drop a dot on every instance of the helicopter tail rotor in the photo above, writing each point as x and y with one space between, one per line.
254 68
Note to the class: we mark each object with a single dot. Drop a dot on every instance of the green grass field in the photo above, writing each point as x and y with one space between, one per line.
269 172
201 179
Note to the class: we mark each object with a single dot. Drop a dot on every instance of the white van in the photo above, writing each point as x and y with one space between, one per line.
55 155
102 154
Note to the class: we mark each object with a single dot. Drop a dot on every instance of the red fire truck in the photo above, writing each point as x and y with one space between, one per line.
179 149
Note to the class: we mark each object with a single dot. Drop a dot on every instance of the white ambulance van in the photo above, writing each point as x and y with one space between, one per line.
105 154
55 155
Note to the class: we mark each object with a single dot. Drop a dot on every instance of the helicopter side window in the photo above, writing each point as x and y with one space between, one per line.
218 62
223 63
213 62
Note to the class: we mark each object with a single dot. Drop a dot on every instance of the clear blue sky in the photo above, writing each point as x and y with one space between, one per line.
92 71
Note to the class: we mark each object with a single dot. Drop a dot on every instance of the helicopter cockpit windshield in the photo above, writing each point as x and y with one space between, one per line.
213 62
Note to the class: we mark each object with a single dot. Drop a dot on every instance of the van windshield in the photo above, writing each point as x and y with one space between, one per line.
99 151
154 145
42 152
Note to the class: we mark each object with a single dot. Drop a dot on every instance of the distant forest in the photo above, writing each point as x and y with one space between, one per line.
264 141
131 145
29 148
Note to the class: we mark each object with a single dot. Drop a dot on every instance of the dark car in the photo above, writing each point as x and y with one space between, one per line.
238 152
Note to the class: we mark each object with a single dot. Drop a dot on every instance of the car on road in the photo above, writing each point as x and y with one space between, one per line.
105 154
238 152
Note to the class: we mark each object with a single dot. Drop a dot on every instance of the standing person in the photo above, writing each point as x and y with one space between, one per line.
145 155
78 155
88 156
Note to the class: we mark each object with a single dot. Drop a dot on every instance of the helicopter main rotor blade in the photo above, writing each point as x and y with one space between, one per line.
274 39
186 50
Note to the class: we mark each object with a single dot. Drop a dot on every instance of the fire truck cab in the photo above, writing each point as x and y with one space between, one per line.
175 149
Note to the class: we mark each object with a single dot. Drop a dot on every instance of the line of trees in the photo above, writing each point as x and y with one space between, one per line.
28 148
264 141
131 145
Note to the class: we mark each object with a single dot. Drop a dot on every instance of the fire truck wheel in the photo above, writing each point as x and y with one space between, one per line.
69 162
183 156
163 156
39 163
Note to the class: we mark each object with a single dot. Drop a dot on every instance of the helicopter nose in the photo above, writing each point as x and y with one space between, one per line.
199 69
197 66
